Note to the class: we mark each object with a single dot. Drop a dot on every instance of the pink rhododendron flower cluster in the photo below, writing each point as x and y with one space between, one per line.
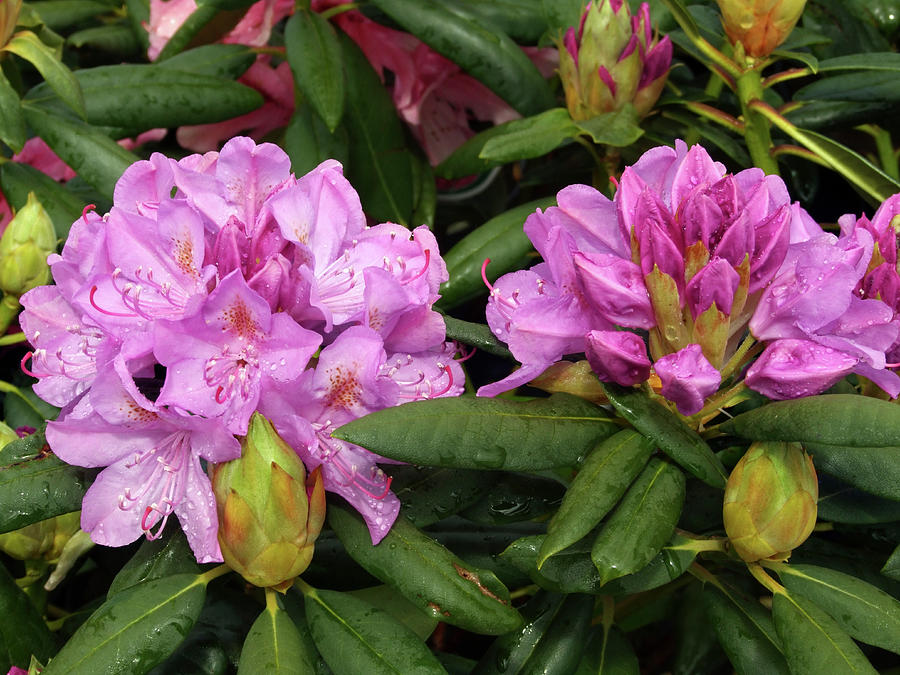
669 275
216 286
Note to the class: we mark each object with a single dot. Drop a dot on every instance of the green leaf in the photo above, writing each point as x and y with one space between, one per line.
618 129
488 55
95 157
875 470
813 643
380 167
642 522
746 632
24 449
476 335
878 86
308 142
867 613
515 497
138 13
59 14
522 20
39 488
12 121
832 419
139 627
425 194
141 97
428 574
273 645
27 45
314 54
806 58
606 474
609 653
63 207
501 239
190 29
155 559
560 14
386 598
529 137
864 61
670 433
220 61
356 637
114 39
469 432
891 568
23 632
840 503
428 495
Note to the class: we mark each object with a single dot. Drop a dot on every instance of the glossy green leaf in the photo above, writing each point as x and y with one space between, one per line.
220 61
116 39
522 20
863 61
135 629
23 632
489 56
502 240
812 641
476 335
608 653
63 207
875 470
356 637
273 645
308 142
841 503
746 632
39 488
314 54
155 559
605 475
428 574
560 14
195 25
428 495
830 114
380 167
642 522
141 97
138 13
425 194
24 449
560 648
386 598
98 159
27 45
832 419
859 87
59 14
469 432
529 137
805 58
515 497
867 613
618 129
670 433
891 567
12 121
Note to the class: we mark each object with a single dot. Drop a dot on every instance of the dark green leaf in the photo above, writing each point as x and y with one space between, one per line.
642 522
314 55
875 86
380 167
425 194
563 643
806 58
12 121
522 20
59 14
138 12
487 55
428 495
97 158
831 419
63 207
840 503
483 433
864 61
356 637
670 434
386 598
813 643
428 574
529 137
608 653
891 568
135 629
156 559
476 335
308 142
828 114
115 39
219 61
875 470
24 449
746 632
516 497
23 632
27 45
501 239
273 645
39 488
189 30
618 129
867 613
560 14
141 97
601 482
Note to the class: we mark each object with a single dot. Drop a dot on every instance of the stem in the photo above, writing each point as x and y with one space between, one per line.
785 75
760 575
524 591
304 587
739 357
9 308
12 339
757 135
699 572
718 544
887 157
798 151
339 9
601 176
713 89
214 573
271 601
716 115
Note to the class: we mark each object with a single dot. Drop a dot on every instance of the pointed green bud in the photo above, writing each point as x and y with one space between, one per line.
770 501
27 241
269 512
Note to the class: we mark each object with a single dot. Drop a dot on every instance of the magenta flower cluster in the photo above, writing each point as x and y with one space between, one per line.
666 279
216 286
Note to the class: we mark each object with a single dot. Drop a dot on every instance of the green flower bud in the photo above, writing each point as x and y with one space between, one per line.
770 501
43 540
269 513
27 241
9 15
759 25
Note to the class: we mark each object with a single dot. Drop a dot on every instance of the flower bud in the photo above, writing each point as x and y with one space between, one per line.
43 540
612 60
269 513
770 501
27 241
759 25
9 15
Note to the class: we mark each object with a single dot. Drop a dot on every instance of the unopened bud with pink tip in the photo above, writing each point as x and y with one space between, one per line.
611 60
270 513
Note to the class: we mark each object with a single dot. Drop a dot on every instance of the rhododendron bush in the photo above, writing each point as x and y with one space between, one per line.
449 337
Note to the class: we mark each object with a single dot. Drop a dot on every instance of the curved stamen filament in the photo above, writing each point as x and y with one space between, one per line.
220 398
449 383
107 312
487 261
86 210
25 369
424 267
466 356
